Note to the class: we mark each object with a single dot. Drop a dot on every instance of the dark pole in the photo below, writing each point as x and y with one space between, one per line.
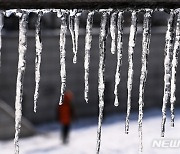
87 4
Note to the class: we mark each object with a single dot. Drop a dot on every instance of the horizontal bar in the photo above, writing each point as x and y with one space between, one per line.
87 4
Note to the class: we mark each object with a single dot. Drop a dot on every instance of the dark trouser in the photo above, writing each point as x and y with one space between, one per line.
65 133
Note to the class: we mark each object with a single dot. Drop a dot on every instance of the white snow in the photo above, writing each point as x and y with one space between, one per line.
114 140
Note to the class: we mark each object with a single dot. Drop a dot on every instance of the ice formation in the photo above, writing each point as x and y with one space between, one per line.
167 67
132 39
88 40
172 47
74 29
113 26
174 67
62 43
119 55
101 71
20 76
144 71
38 59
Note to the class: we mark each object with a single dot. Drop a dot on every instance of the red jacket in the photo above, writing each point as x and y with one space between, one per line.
65 110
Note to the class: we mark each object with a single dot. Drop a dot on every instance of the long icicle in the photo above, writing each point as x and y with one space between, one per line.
167 68
174 66
62 43
20 77
101 71
119 55
144 71
1 26
132 38
74 30
88 40
113 26
38 59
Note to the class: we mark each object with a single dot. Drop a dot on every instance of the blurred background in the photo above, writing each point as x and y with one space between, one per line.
45 120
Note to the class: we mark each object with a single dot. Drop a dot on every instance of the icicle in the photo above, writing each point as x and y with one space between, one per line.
1 26
144 71
101 85
88 40
119 55
113 32
167 68
38 59
74 30
20 76
132 37
174 66
62 43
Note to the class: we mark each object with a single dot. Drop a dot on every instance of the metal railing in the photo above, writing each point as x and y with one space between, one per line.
87 4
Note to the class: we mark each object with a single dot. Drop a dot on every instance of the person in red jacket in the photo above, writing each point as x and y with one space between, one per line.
65 115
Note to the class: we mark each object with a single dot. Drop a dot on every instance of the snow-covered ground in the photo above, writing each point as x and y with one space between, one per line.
114 140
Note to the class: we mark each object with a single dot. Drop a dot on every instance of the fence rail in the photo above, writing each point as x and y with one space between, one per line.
88 4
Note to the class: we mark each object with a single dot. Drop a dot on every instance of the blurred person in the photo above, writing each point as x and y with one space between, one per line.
65 115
